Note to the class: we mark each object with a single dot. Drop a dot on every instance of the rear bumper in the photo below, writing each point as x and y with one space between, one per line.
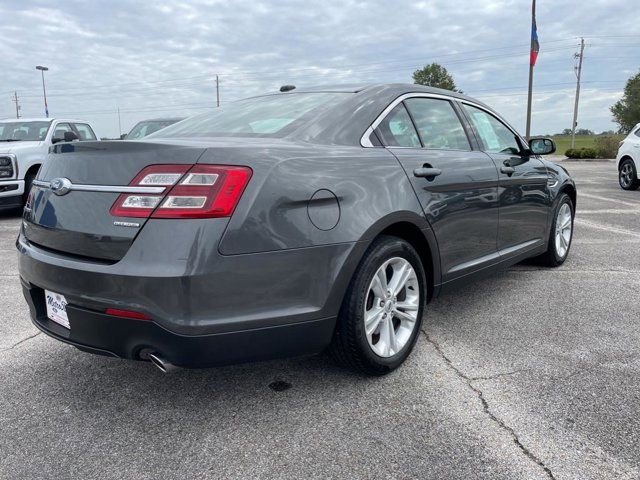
207 308
103 334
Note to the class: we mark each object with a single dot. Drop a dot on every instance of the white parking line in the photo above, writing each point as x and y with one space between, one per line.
606 228
609 199
609 210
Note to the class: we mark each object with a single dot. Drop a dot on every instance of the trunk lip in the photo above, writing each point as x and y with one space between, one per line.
100 188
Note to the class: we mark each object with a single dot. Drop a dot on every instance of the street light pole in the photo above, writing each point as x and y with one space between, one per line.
217 92
44 90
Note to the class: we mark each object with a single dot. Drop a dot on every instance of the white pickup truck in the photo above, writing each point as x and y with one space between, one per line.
24 144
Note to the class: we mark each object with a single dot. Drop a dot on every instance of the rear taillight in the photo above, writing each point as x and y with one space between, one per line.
202 191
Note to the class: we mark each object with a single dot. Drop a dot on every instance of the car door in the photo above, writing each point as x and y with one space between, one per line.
456 186
522 190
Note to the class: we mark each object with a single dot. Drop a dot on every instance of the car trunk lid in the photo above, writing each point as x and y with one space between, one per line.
79 222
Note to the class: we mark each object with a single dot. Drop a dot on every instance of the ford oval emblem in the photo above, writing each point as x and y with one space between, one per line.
61 186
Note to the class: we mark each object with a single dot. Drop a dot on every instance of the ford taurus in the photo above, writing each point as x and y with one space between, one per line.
286 224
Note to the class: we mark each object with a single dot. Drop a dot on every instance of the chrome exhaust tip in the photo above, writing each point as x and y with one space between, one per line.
161 363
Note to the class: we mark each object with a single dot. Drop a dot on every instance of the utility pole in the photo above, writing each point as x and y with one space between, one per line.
119 124
16 101
217 91
578 71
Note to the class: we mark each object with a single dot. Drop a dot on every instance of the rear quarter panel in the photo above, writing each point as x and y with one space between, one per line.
370 186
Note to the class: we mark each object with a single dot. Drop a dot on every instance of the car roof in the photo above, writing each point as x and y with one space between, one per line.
389 88
162 119
42 119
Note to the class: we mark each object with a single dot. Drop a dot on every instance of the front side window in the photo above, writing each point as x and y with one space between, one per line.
495 136
261 116
438 124
397 130
85 132
23 131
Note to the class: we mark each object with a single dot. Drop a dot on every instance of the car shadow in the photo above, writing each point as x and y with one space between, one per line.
85 377
10 213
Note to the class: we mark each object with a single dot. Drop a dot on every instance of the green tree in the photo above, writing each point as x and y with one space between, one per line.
435 75
626 112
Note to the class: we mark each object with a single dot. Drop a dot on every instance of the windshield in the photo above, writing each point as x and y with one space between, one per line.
148 127
260 116
23 131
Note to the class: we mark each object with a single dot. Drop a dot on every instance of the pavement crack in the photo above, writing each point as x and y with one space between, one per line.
485 406
20 342
497 375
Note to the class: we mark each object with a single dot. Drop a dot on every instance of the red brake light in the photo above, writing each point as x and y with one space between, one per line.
202 191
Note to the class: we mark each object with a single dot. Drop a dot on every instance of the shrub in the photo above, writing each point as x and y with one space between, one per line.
582 153
606 146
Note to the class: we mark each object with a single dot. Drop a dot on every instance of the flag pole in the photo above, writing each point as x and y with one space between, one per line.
531 65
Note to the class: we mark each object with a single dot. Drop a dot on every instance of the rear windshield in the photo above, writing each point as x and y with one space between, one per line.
271 115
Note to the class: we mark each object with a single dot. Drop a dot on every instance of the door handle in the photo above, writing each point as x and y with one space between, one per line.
508 170
427 172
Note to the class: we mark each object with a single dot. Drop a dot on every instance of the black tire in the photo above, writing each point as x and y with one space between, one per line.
552 258
350 346
28 182
628 182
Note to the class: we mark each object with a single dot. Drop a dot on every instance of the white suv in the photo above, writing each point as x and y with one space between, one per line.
629 160
24 144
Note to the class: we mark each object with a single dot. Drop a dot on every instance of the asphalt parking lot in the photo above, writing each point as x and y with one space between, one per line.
533 373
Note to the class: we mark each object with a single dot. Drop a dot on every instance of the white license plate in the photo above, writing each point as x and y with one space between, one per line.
57 308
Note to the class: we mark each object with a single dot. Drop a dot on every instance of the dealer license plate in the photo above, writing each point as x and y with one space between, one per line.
57 308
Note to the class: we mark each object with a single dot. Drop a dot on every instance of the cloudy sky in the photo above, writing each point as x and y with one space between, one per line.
155 58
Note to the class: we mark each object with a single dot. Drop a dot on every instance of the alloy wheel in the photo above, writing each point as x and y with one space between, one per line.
392 305
564 229
626 175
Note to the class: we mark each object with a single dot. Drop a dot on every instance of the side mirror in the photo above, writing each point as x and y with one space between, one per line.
542 146
70 136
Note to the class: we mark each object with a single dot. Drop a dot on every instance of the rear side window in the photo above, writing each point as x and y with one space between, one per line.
438 124
397 130
495 136
60 130
638 133
84 131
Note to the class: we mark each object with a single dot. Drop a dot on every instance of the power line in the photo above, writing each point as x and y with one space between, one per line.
140 90
314 69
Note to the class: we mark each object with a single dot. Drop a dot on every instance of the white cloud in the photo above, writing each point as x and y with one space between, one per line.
160 58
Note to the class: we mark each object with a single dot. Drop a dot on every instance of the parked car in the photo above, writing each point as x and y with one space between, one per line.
628 160
24 144
147 127
285 224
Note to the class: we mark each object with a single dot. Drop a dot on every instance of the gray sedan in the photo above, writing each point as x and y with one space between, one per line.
286 224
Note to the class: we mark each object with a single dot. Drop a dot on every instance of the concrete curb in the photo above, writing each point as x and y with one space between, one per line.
586 160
